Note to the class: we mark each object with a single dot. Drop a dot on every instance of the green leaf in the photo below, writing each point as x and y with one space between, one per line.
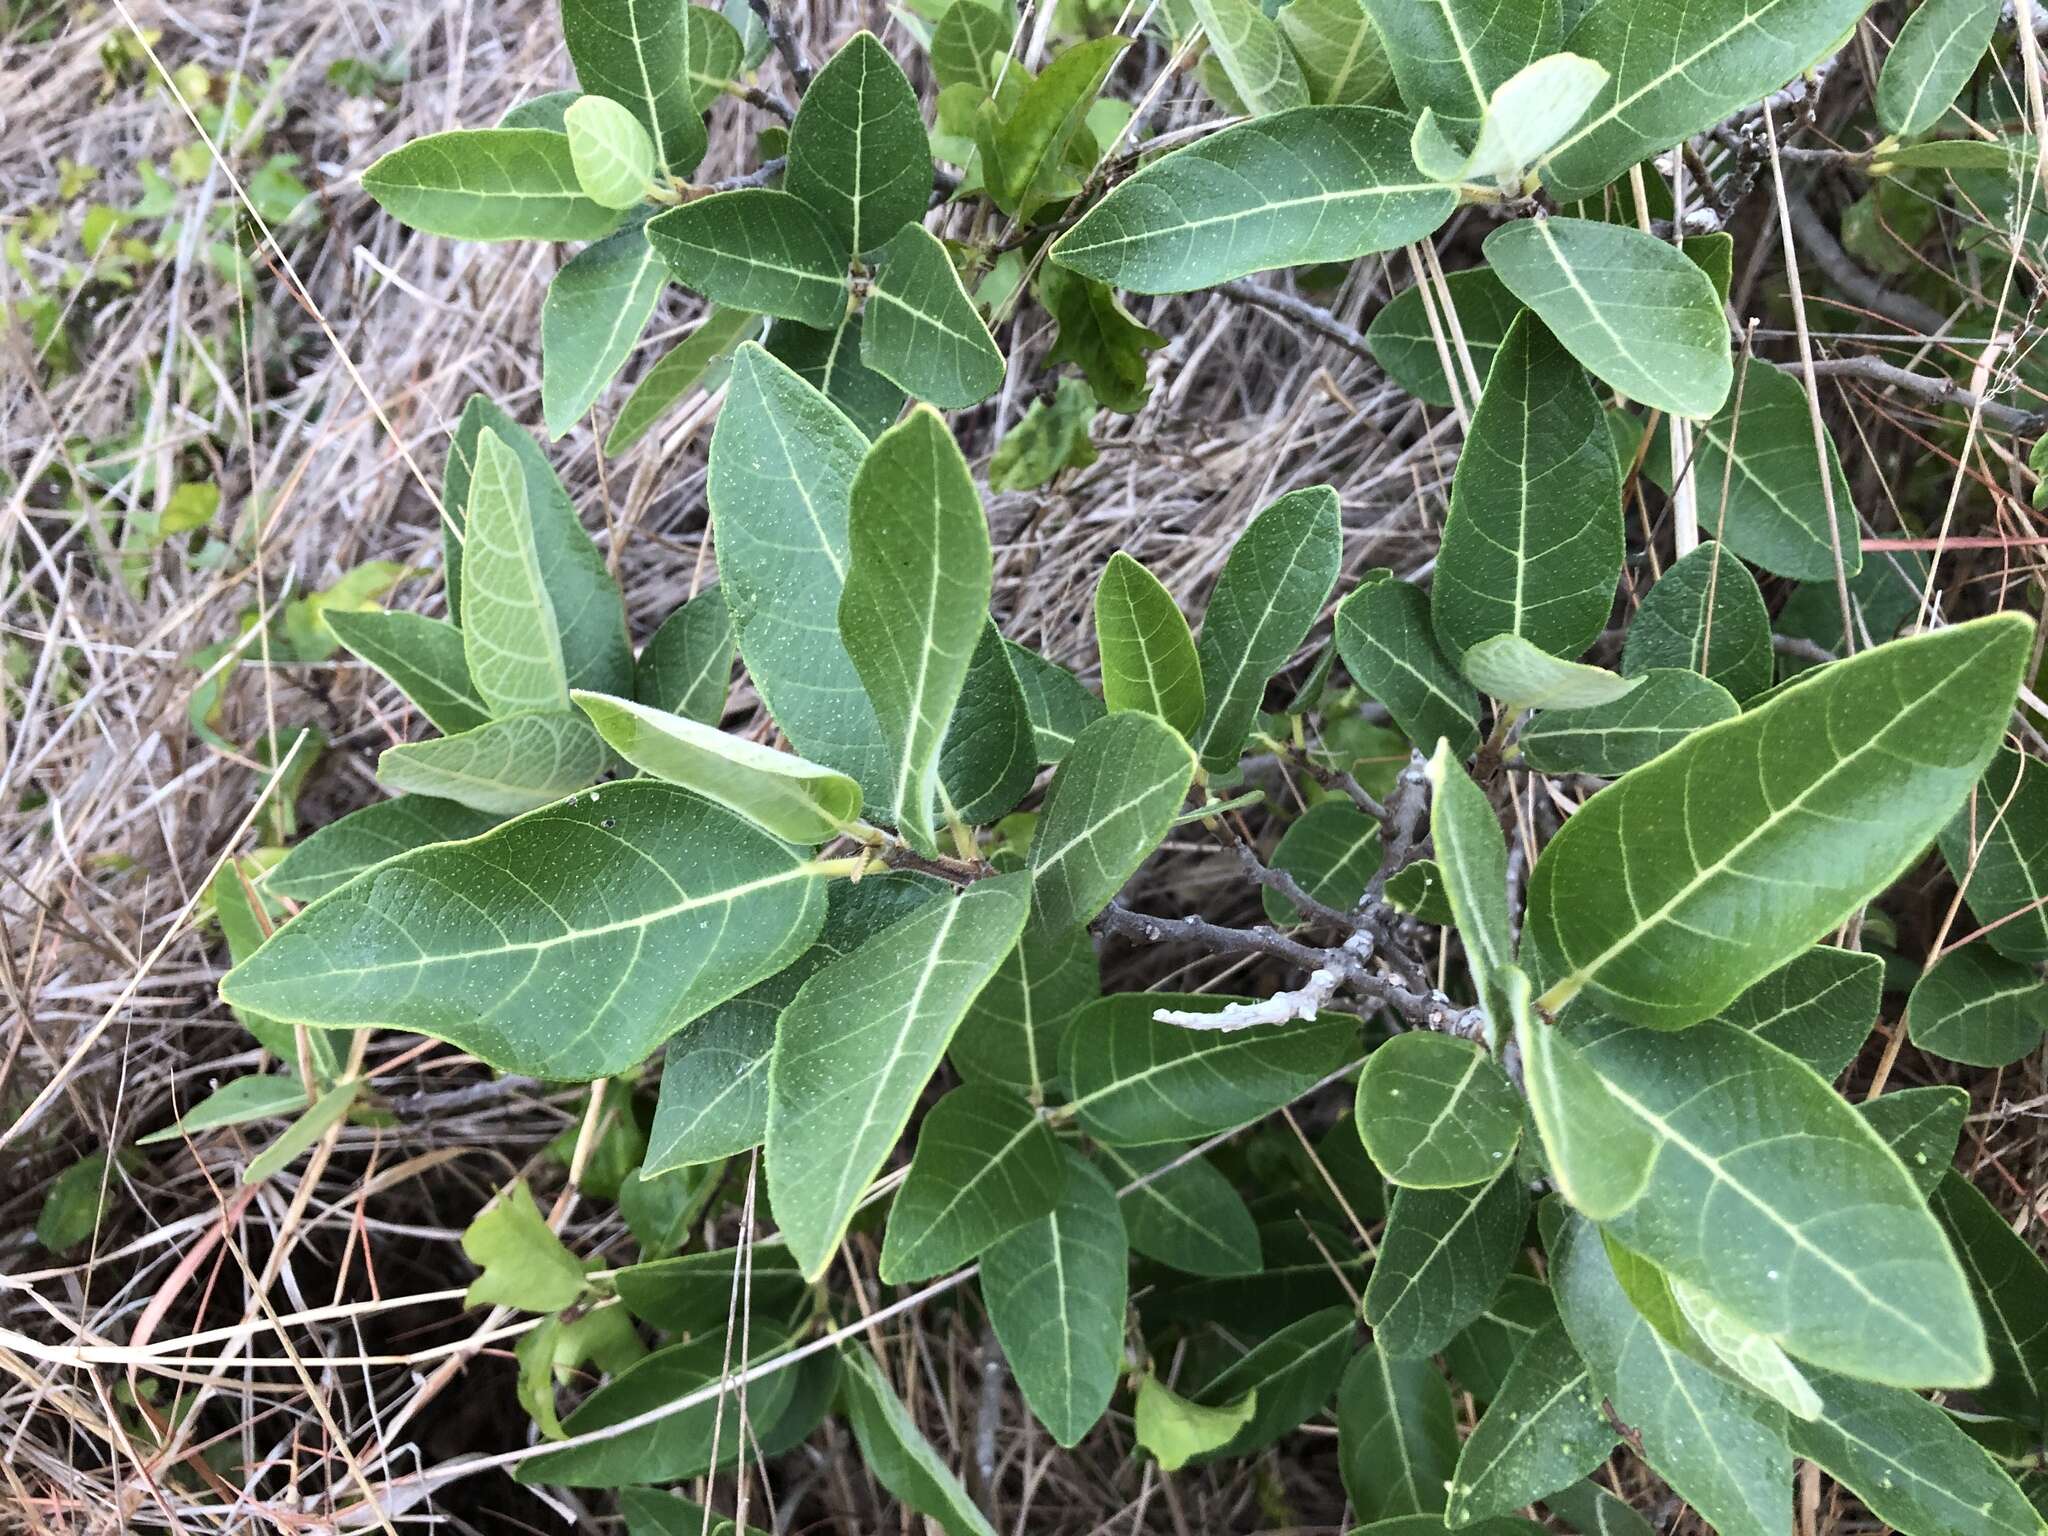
611 152
1975 1006
1677 72
1522 677
1472 856
1291 1374
1333 851
969 43
857 150
1599 1154
1533 543
1149 661
1109 805
639 55
1134 1080
422 656
296 1139
1931 59
2010 1287
1819 1007
1342 59
239 1101
1998 843
1098 336
1610 739
830 362
542 111
1590 1509
1025 146
488 184
1751 1358
1437 1112
783 462
895 1452
1188 1216
1721 1449
596 307
1397 1435
921 331
861 1039
1631 308
72 1210
1922 1125
1909 1462
589 612
1262 70
678 372
986 1164
1835 1260
1705 616
1450 56
1482 1355
915 604
1176 1431
1403 344
1055 1291
755 249
1774 509
1418 889
717 55
1544 1430
631 916
651 1513
1770 828
1384 636
693 1292
509 635
524 1264
504 768
1273 587
1311 185
1443 1256
1527 114
686 668
1011 1035
1052 436
1060 707
989 757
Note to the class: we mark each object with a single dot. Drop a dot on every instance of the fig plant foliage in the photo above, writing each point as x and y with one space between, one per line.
1593 1174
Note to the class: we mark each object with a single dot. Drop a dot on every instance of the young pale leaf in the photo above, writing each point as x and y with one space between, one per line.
1342 59
1109 805
488 184
628 917
640 56
423 656
1678 70
1185 1214
1024 148
1610 739
1262 70
921 331
1633 309
1314 184
1443 1256
1930 60
1522 677
1176 1431
239 1101
1134 1080
1437 1112
896 1452
1450 56
1722 1449
1819 1007
589 613
986 1164
2010 1287
503 768
1771 828
676 374
855 1048
1098 336
1059 706
686 668
1754 1360
1011 1035
1397 1435
1472 856
1530 111
1839 1264
1273 586
343 849
1149 660
509 635
792 799
1533 543
1599 1153
612 153
969 43
1705 616
857 151
596 307
1291 1374
1975 1006
1403 342
1333 851
758 249
524 1264
915 604
1998 845
830 362
1384 636
1055 1291
1543 1430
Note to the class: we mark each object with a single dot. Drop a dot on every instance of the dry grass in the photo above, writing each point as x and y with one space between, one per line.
312 1326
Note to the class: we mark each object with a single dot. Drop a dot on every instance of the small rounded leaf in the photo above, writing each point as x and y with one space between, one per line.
613 156
1437 1112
